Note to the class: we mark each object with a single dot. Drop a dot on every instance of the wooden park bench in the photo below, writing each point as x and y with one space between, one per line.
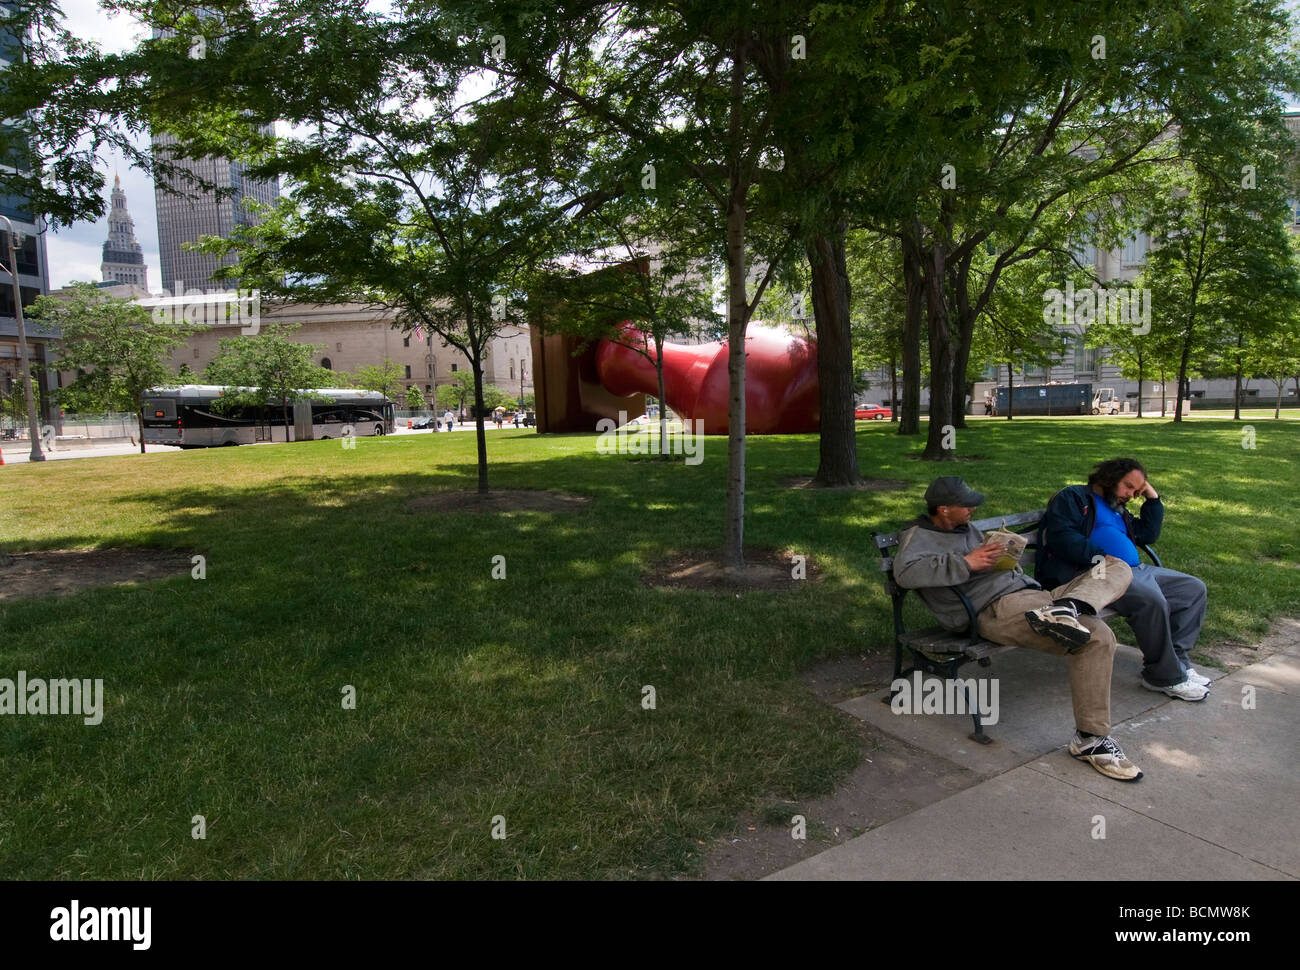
942 652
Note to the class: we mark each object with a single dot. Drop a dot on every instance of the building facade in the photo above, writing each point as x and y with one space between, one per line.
187 212
349 336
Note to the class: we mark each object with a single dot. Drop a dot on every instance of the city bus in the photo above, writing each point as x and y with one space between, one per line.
186 416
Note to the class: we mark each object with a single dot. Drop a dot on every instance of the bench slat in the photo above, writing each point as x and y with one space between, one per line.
941 642
886 540
1020 518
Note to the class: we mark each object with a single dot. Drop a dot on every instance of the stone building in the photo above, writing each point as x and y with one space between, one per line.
349 336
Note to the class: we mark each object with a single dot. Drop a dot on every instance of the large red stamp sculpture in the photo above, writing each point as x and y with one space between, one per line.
781 389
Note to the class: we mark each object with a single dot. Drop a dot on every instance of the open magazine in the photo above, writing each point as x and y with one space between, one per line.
1015 544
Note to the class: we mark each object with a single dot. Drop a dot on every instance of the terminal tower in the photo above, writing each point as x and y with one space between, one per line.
123 257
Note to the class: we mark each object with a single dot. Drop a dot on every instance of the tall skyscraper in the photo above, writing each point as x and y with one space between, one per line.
123 257
194 213
186 217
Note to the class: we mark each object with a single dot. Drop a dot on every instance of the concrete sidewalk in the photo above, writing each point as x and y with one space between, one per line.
1218 800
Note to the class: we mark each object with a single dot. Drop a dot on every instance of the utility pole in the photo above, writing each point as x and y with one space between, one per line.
23 357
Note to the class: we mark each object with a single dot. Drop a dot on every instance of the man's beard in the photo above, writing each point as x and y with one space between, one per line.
1112 497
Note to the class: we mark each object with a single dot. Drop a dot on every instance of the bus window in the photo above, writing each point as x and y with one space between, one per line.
160 409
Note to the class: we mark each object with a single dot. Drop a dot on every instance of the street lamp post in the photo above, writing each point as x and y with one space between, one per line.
23 358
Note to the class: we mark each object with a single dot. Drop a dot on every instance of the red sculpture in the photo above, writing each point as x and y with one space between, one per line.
781 389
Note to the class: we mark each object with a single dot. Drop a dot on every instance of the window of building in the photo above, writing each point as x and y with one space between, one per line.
1086 358
512 370
339 346
453 368
408 370
1135 250
325 362
406 341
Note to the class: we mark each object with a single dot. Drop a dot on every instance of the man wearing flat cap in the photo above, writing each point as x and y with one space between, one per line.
941 550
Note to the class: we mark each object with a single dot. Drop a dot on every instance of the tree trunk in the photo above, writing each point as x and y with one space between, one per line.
942 352
1011 392
733 548
1139 386
663 407
733 539
838 464
1236 390
964 334
476 364
893 388
1182 376
914 286
1277 408
139 419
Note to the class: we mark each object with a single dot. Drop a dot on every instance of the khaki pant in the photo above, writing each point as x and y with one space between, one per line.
1003 621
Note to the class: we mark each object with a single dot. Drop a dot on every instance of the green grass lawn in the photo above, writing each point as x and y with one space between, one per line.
518 697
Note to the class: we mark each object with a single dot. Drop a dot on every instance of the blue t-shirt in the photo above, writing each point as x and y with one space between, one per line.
1109 533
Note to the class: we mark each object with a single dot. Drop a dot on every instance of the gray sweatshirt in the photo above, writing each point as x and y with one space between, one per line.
930 559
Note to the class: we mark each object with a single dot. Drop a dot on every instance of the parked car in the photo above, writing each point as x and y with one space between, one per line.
873 412
530 419
422 424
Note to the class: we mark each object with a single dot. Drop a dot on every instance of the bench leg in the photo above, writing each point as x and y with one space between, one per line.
978 734
898 669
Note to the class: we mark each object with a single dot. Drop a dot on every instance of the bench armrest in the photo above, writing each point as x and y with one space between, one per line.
970 612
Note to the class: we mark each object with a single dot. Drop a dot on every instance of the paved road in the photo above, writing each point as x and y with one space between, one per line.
18 452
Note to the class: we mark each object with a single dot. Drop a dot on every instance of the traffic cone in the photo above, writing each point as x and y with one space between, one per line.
2 456
409 425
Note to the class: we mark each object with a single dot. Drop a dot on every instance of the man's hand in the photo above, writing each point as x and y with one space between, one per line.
1148 491
985 556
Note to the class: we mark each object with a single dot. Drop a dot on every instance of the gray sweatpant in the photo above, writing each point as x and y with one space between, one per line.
1165 608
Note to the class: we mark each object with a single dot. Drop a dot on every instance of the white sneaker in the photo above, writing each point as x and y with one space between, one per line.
1186 691
1104 755
1196 678
1060 622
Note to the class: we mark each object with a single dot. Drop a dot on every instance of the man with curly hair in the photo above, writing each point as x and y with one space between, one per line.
1164 607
